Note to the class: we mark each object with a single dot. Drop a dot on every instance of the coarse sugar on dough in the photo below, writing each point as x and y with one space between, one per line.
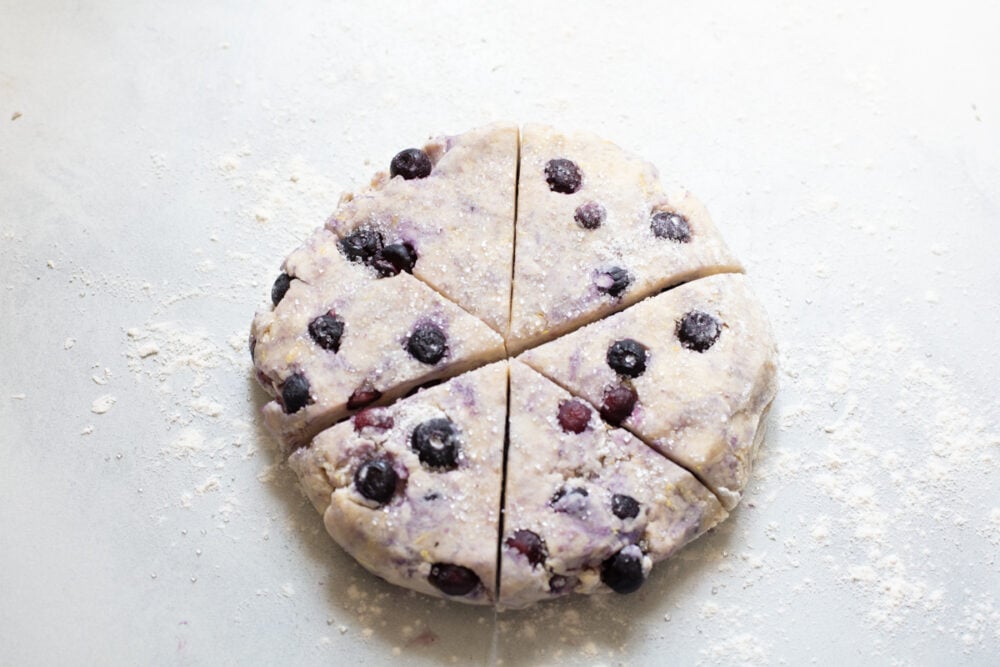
435 516
415 282
560 261
459 219
701 408
664 506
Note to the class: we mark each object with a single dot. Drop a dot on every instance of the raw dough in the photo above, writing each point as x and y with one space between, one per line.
702 409
436 516
623 439
661 506
564 273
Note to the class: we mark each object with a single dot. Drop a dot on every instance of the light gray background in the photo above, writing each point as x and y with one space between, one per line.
159 159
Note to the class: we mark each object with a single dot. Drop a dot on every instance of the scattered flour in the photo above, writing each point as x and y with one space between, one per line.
103 404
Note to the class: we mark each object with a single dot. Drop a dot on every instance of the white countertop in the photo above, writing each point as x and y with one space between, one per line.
157 162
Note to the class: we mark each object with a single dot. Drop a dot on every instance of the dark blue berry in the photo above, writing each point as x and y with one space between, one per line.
670 225
280 287
295 393
563 176
590 215
453 579
529 544
618 403
436 442
376 480
622 573
627 357
698 331
395 258
624 507
327 331
361 245
410 163
574 416
427 344
613 281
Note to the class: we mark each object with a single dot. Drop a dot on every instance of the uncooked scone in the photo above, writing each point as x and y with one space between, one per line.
600 239
436 531
626 427
698 400
582 498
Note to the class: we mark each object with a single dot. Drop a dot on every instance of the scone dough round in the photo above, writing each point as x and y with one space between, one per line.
515 367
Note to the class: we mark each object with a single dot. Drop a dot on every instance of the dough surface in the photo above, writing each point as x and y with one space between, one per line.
500 406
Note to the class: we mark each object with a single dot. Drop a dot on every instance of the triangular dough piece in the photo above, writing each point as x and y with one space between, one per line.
709 375
432 528
386 325
586 505
459 219
587 252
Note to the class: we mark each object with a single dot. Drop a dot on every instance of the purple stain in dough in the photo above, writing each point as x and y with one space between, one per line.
570 501
377 419
563 176
362 396
411 163
613 281
670 225
453 579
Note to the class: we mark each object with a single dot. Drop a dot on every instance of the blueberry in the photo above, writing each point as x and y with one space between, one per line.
563 176
670 225
529 544
326 330
622 573
361 245
619 401
570 501
375 418
411 163
558 583
627 357
363 396
453 579
436 443
698 331
590 215
574 416
395 258
280 287
376 480
613 281
295 393
624 507
427 344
